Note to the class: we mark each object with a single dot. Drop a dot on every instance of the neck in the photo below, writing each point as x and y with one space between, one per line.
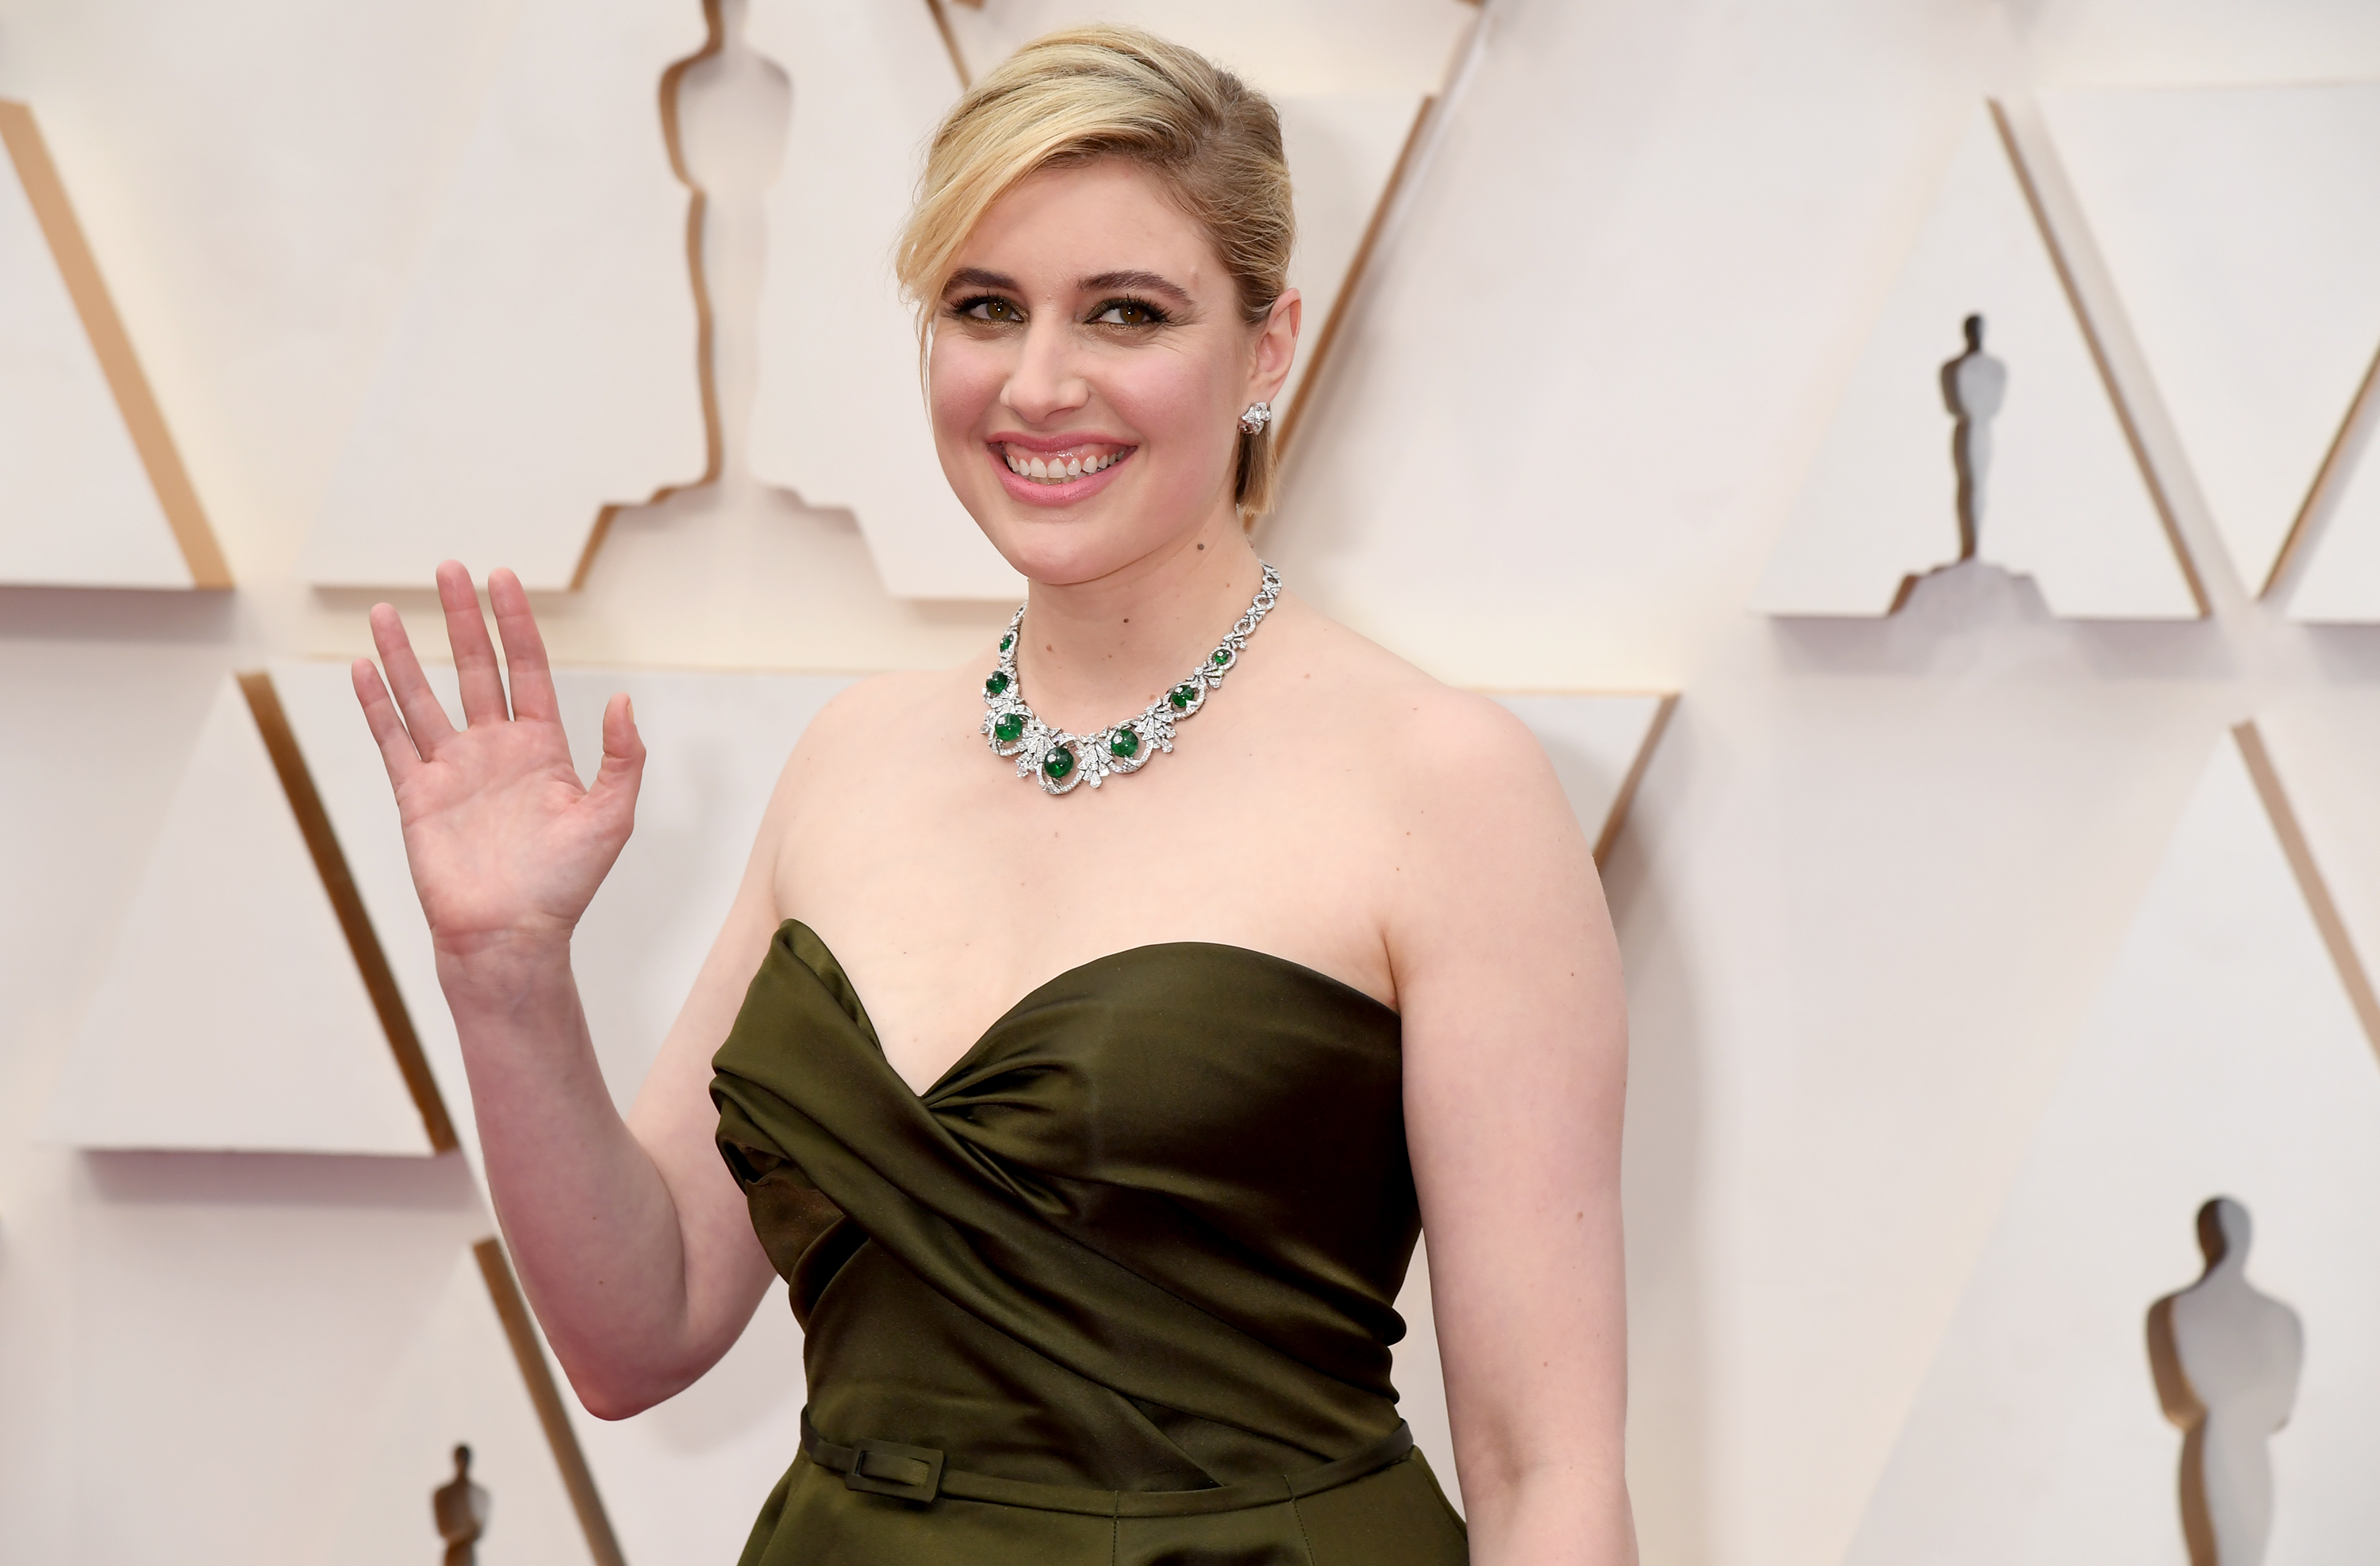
1096 652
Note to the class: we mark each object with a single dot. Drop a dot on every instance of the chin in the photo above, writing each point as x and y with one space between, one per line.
1061 551
1063 545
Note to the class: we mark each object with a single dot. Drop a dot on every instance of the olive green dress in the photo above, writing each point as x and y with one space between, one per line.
1118 1288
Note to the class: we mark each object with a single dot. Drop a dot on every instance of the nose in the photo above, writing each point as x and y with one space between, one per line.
1045 381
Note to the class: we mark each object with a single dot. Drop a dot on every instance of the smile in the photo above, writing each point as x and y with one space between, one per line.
1062 466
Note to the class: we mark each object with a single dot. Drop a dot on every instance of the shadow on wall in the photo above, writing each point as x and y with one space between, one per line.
283 1180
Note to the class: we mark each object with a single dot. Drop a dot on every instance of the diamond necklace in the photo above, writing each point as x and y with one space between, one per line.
1059 760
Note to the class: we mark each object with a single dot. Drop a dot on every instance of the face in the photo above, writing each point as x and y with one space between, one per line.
1088 370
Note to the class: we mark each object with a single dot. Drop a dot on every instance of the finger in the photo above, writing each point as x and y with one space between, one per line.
623 768
414 697
526 668
475 655
387 729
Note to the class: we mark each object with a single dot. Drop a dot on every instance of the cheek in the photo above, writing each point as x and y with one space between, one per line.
963 382
1172 400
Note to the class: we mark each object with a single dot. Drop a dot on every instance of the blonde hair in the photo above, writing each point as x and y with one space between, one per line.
1106 91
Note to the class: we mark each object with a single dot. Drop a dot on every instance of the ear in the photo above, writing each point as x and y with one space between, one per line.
1276 346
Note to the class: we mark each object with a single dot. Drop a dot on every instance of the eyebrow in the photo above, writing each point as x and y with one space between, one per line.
976 277
1137 282
1106 282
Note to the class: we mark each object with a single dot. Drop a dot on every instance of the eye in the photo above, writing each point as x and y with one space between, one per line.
1128 313
992 307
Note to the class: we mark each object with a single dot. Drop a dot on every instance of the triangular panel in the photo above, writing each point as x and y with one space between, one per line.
233 1014
2242 228
2340 579
544 366
92 493
2065 500
2224 1057
460 1384
1345 150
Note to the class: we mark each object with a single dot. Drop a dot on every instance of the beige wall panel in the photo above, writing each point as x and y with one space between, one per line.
1343 150
838 415
228 1324
232 1015
2225 1057
1304 48
2242 229
2065 502
457 1383
76 509
2335 575
542 368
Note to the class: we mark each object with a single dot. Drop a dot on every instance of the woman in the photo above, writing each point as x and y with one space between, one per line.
1105 1273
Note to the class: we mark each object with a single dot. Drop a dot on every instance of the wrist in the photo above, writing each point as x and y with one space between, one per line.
502 967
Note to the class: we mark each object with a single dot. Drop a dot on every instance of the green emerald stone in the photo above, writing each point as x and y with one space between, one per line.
1008 642
994 685
1222 656
1058 763
1182 696
1010 728
1125 745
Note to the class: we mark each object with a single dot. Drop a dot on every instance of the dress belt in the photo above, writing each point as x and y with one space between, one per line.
919 1474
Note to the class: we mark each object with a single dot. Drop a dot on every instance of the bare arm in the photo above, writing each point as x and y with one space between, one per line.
630 1236
1515 1042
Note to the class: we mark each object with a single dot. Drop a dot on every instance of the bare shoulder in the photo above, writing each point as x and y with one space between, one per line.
1437 748
877 706
872 717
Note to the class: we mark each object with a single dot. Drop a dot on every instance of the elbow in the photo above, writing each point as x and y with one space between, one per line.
610 1403
616 1396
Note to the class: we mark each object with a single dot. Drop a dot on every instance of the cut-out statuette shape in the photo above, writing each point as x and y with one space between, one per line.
2226 1360
461 1509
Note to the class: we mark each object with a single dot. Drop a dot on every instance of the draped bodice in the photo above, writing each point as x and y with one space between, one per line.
1145 1235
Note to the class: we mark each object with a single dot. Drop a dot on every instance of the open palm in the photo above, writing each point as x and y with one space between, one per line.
507 846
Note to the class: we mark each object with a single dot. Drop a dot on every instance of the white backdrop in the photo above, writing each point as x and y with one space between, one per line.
1872 889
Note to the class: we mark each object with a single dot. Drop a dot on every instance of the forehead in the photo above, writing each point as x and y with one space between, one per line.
1084 220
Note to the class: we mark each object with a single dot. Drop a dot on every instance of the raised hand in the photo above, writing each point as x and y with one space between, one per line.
507 846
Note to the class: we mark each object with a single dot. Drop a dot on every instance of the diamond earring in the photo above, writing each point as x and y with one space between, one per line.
1258 415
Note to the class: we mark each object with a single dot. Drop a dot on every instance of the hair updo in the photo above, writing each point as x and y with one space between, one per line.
1106 91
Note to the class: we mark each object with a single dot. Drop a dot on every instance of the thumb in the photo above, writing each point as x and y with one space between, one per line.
623 770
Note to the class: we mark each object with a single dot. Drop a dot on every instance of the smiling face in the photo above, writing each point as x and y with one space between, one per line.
1090 367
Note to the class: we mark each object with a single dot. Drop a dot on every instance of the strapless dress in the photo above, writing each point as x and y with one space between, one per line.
1118 1288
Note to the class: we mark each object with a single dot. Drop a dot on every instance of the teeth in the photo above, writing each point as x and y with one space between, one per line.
1058 470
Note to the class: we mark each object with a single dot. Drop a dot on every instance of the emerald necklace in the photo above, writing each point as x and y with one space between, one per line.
1059 760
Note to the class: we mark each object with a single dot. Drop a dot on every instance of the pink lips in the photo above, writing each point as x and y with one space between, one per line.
1036 491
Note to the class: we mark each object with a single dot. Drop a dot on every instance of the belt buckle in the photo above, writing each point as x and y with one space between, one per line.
885 1468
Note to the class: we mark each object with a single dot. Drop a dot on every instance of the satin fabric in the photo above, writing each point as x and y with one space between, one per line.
1144 1235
